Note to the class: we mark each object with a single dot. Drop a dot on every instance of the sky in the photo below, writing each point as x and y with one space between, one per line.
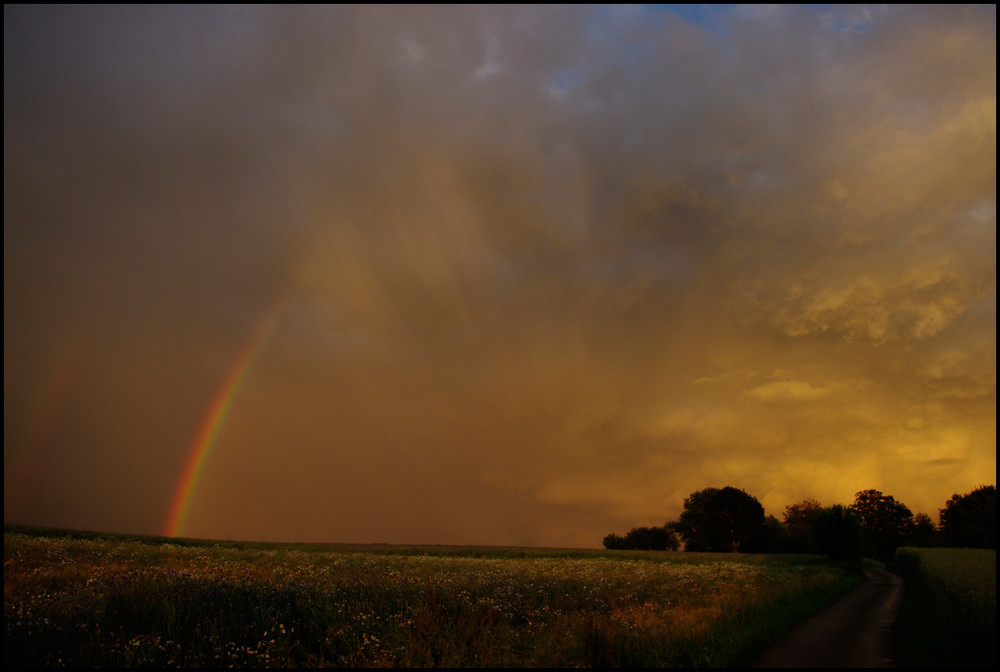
503 275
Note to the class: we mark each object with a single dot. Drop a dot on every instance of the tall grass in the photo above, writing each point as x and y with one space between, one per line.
949 614
115 602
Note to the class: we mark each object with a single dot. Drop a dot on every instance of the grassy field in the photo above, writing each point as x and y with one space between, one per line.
949 616
102 600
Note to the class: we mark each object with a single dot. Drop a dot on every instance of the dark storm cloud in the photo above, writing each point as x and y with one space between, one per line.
546 270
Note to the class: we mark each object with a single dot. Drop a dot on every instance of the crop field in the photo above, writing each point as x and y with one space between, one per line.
949 617
120 602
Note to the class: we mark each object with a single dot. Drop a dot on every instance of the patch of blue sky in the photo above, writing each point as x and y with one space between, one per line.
610 23
566 80
607 29
716 18
846 18
710 17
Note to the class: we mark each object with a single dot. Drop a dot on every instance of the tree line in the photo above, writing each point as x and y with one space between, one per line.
874 525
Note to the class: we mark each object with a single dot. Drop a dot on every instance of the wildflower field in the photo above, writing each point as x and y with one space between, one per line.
101 600
949 618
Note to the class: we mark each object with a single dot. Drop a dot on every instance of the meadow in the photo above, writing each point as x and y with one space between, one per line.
113 601
949 616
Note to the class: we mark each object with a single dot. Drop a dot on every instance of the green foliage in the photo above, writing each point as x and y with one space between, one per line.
970 520
948 617
836 533
722 520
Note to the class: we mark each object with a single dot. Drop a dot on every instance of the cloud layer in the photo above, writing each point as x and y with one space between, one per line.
543 272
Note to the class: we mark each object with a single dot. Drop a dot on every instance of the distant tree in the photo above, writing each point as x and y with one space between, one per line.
836 532
924 533
614 542
654 538
886 523
776 539
970 520
798 520
722 519
644 538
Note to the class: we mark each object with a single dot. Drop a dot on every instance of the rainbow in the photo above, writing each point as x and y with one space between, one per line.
215 418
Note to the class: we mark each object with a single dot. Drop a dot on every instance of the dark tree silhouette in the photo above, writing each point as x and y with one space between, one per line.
798 521
722 519
645 538
886 523
924 533
970 520
776 539
836 532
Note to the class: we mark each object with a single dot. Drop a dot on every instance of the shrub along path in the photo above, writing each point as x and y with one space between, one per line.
854 632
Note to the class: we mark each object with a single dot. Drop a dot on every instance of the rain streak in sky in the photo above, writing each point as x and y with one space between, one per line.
518 275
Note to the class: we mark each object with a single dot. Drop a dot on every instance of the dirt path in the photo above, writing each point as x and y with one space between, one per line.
854 632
